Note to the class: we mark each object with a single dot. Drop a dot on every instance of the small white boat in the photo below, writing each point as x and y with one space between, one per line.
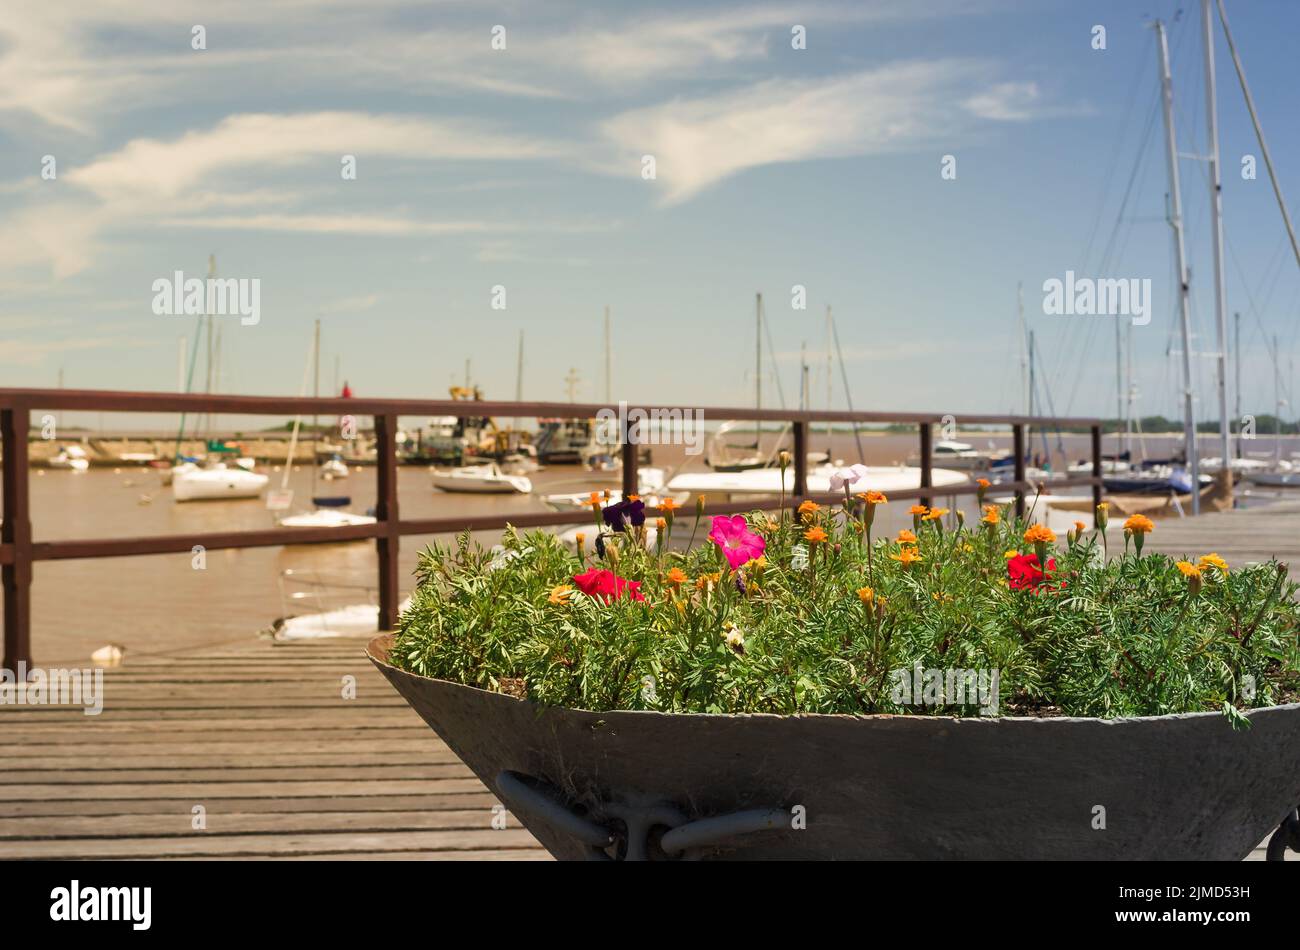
353 620
71 458
325 518
962 455
767 481
480 479
215 483
1284 476
334 468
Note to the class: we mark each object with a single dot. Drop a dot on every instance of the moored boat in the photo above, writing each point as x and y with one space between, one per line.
480 479
216 483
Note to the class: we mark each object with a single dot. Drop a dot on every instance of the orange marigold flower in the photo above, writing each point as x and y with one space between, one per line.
983 482
1213 560
906 537
707 580
661 524
594 500
873 497
934 514
1188 569
633 498
815 535
1139 524
917 510
991 515
560 594
1080 527
866 595
676 576
907 556
1040 533
667 504
809 508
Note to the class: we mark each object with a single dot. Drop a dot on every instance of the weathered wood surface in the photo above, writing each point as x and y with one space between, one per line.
288 769
1240 536
261 737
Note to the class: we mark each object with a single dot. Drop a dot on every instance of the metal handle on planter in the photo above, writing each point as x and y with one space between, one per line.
1287 835
523 797
545 803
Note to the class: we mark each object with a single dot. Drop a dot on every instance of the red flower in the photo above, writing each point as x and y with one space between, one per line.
607 586
1025 574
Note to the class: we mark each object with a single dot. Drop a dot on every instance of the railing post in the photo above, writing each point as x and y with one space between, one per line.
631 460
1018 440
1096 472
16 531
389 542
927 459
800 458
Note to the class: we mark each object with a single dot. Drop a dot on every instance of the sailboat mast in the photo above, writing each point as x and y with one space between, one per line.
1259 132
315 419
1121 433
1026 385
1236 356
1216 234
1171 145
519 384
1277 408
758 351
829 377
212 272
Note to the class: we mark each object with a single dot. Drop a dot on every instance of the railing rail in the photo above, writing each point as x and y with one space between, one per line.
18 551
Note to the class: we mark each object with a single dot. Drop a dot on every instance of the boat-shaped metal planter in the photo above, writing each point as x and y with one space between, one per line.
632 784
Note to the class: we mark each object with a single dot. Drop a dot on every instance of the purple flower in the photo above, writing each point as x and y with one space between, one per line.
619 516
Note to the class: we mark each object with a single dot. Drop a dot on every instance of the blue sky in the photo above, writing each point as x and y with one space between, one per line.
522 168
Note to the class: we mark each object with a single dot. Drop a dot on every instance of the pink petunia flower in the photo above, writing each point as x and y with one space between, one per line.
739 544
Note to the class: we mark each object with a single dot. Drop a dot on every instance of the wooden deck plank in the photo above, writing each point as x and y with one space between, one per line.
263 738
338 844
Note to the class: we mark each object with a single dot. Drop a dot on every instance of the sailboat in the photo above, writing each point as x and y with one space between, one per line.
480 479
328 511
216 482
70 457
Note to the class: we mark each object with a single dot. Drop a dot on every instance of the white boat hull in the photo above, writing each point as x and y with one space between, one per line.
325 518
214 484
767 481
481 483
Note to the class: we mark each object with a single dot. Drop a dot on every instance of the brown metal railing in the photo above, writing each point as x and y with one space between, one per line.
18 552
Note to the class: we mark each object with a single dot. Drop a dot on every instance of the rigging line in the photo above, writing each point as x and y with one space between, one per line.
1134 84
1259 131
771 356
848 397
1051 408
1109 250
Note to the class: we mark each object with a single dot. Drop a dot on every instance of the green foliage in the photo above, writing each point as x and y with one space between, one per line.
1130 637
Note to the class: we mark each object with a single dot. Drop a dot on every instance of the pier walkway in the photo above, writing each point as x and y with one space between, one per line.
262 739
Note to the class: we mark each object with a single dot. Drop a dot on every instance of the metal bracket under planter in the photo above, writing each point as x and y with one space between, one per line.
655 831
1286 836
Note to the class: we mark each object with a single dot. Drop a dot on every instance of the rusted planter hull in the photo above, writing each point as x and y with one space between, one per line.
892 787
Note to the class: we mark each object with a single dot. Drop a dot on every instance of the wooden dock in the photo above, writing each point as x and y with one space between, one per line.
285 767
259 737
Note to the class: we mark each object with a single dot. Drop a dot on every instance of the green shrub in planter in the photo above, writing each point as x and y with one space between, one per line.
807 611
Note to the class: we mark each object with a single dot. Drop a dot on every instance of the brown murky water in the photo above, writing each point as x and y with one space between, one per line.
161 604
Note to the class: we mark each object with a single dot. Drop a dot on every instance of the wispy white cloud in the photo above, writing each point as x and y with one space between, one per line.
699 142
